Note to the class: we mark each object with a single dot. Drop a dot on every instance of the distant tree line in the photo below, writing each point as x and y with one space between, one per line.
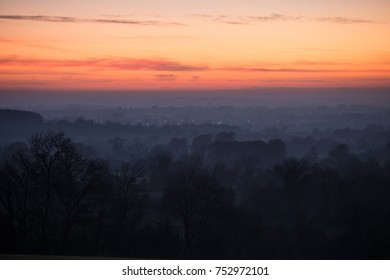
185 137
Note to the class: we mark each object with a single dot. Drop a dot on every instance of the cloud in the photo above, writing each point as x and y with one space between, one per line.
255 69
344 20
295 81
246 20
306 62
320 50
163 37
166 65
153 64
68 82
117 16
105 63
27 43
166 78
43 72
226 19
58 19
258 19
195 78
8 59
302 70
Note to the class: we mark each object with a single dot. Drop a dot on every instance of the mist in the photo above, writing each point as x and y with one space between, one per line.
273 97
250 174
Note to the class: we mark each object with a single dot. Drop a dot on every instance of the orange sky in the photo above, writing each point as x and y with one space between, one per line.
194 44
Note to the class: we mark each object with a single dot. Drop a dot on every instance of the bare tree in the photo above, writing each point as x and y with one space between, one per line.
191 196
128 191
16 192
46 150
295 175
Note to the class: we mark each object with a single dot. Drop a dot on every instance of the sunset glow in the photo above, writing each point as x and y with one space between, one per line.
177 44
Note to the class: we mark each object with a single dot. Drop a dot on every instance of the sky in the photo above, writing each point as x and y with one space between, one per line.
202 44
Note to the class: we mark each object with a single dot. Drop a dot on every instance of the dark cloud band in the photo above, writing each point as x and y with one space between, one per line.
165 65
107 63
84 20
245 20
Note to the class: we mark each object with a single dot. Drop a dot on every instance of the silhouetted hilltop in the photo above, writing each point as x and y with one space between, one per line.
19 124
19 117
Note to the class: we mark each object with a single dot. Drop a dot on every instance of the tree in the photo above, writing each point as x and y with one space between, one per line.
191 196
43 189
74 177
177 146
225 137
276 151
340 153
117 145
14 186
295 175
47 150
200 142
128 191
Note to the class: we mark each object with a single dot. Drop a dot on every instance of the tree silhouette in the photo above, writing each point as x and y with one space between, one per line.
191 196
47 150
295 174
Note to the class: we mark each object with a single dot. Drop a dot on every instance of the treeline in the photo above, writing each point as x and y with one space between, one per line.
222 199
19 125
